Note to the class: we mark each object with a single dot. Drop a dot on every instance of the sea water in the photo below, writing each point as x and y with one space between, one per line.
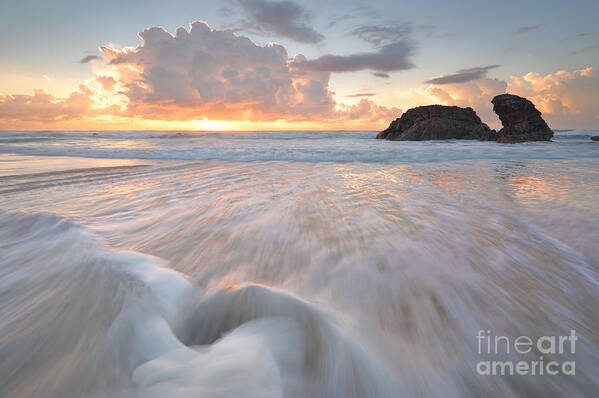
292 264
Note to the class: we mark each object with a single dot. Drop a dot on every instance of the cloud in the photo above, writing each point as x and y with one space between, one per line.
394 52
107 82
566 99
525 29
360 95
368 110
476 94
42 106
391 57
359 12
381 35
283 18
462 76
215 74
195 74
381 75
89 58
226 12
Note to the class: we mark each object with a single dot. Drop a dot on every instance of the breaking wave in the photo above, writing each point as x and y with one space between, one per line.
100 322
287 146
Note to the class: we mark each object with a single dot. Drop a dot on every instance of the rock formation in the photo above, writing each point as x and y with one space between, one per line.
520 119
437 122
595 138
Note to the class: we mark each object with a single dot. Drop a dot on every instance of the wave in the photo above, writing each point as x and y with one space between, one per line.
79 319
389 152
26 182
23 140
344 147
374 280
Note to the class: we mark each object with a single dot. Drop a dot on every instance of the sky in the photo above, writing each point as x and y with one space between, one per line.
280 65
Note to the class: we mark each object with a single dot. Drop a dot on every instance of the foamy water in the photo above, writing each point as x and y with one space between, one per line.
284 146
291 264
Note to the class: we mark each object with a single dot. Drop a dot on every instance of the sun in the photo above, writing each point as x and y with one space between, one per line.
210 125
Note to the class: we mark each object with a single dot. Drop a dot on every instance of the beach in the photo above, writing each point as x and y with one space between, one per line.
316 264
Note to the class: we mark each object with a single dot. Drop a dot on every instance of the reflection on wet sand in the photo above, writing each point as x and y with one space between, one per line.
14 165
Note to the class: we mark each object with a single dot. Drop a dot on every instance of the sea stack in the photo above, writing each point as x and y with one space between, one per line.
520 119
437 122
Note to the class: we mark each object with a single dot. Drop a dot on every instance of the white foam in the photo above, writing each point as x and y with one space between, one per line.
287 146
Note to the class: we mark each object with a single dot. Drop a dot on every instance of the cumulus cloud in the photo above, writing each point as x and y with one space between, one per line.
42 106
463 75
368 110
89 58
525 29
474 94
215 74
94 98
195 74
283 18
391 57
566 99
107 82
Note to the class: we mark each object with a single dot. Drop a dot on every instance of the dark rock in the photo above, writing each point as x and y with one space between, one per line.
595 138
490 135
437 122
520 119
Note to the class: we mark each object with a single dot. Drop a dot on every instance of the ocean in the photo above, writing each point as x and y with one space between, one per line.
294 264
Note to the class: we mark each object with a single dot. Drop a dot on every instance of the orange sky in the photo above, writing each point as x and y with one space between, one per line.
204 79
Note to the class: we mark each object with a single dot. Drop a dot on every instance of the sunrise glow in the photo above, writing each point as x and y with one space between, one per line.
224 79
